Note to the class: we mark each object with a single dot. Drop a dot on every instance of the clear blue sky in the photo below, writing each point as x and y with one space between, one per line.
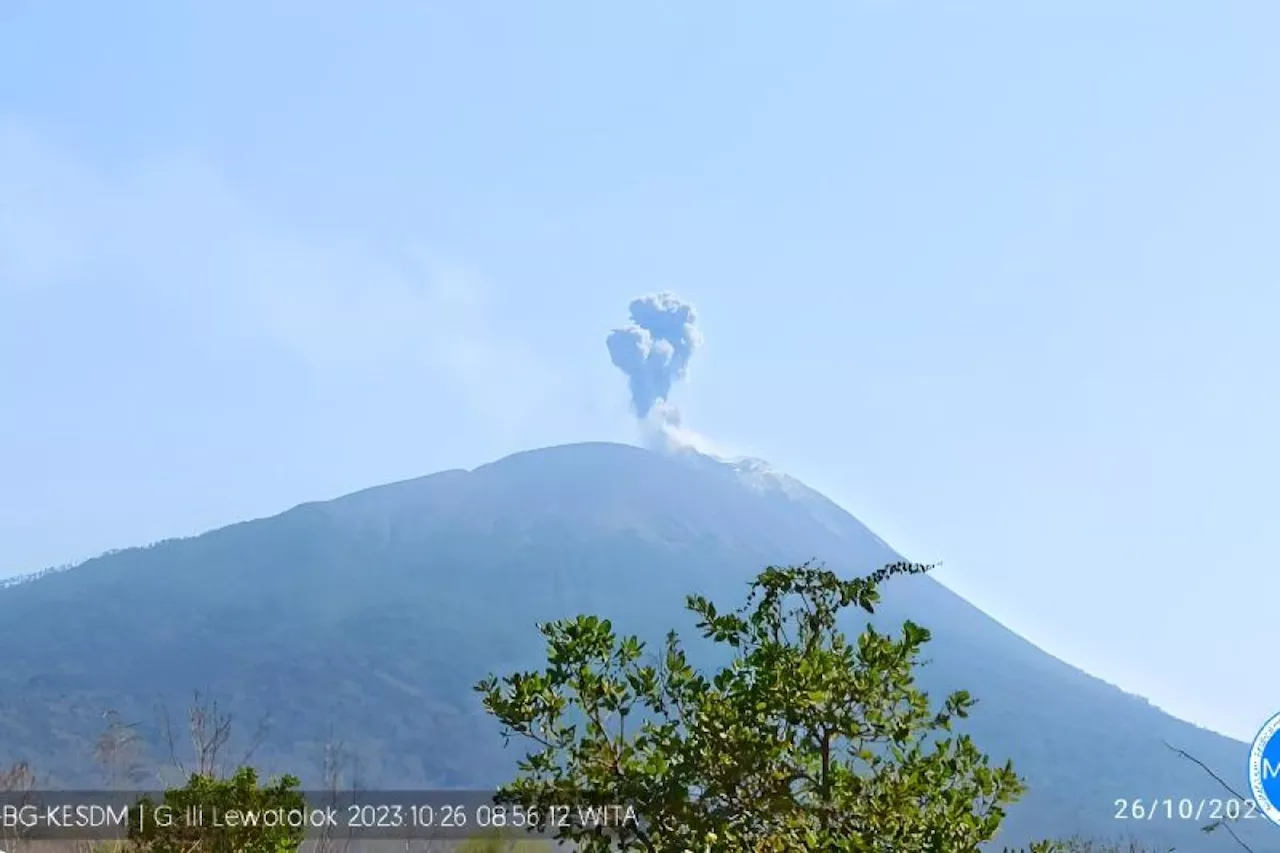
1001 278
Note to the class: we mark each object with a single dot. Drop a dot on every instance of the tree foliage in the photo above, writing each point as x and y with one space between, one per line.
805 740
167 827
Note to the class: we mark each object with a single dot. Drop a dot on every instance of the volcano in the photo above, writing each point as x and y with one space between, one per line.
368 619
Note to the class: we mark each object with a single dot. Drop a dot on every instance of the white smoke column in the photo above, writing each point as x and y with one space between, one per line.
654 352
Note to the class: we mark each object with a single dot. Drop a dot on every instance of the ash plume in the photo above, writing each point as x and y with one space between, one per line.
655 348
654 352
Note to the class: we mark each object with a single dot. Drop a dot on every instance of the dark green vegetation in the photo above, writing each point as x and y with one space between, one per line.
804 741
241 791
368 619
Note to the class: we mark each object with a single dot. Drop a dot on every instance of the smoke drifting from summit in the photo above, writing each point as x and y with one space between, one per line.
654 350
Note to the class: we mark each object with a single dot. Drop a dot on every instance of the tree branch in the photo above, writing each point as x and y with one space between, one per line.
1189 757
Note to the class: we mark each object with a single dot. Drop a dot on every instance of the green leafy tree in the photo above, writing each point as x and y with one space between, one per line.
170 827
806 740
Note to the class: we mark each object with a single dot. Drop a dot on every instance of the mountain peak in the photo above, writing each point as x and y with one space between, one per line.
371 616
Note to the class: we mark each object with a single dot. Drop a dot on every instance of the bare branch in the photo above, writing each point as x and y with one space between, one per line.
1222 823
119 751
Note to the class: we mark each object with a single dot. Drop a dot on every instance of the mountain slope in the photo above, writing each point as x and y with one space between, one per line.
369 617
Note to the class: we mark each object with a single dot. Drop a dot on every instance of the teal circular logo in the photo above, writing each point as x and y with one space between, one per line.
1264 769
